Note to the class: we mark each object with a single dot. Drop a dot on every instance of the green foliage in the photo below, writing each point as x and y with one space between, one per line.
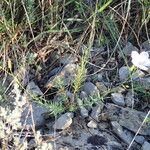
104 5
59 82
31 58
30 10
81 71
55 108
90 101
146 11
141 89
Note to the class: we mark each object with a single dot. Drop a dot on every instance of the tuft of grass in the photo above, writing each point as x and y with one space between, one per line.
81 72
27 27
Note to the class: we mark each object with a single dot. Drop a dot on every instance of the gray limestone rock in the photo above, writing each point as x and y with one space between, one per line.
118 99
124 73
92 124
125 135
128 118
64 121
90 89
139 139
33 89
146 146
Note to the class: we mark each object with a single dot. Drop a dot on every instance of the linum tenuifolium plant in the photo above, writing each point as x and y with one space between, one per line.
141 61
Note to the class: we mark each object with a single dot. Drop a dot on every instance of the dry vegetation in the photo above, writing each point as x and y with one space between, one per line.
36 34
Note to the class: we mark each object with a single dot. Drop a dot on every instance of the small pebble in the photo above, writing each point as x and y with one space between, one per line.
64 121
124 73
90 89
140 139
92 124
118 99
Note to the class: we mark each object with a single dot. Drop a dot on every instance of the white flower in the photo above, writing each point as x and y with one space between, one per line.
141 60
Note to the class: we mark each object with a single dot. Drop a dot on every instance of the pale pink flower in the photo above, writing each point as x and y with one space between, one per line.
141 60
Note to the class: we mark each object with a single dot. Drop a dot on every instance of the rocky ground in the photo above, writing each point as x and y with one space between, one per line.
109 111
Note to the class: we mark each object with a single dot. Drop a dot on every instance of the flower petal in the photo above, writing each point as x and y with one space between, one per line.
147 63
142 67
135 62
144 55
135 55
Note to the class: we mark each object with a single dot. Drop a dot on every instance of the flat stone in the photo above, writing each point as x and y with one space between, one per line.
124 73
146 146
64 121
118 99
140 139
128 118
125 135
90 89
33 89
